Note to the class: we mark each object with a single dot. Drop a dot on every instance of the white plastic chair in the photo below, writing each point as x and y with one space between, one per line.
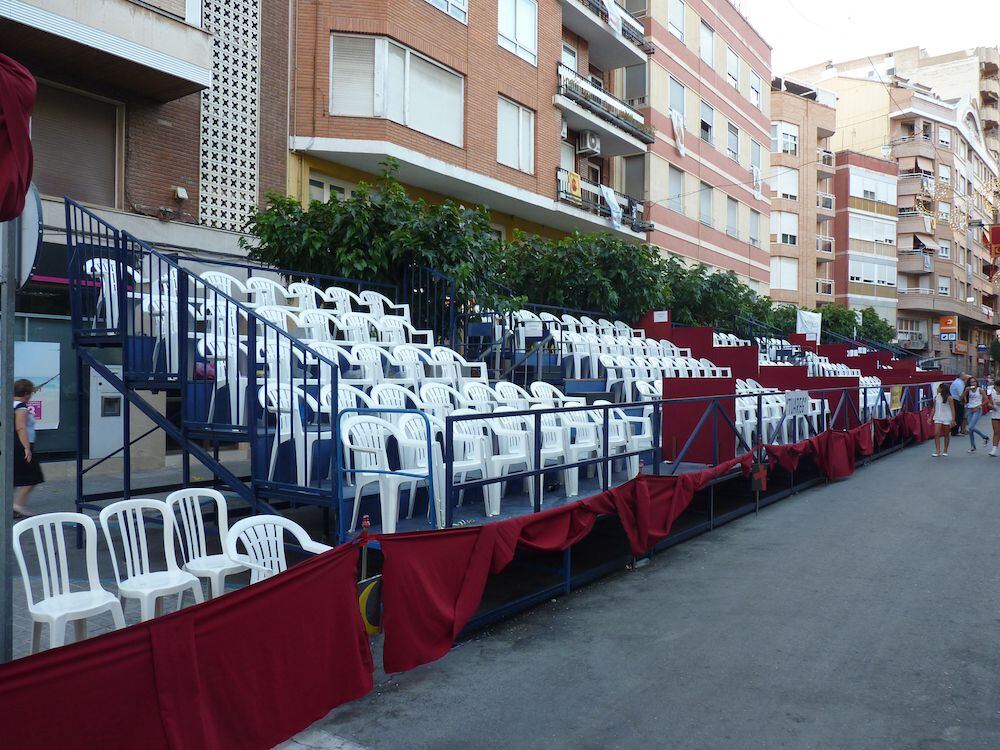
141 580
268 292
456 367
380 305
441 400
394 330
263 541
366 441
58 604
186 505
343 300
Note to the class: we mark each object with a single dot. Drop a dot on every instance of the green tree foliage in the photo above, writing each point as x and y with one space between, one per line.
380 231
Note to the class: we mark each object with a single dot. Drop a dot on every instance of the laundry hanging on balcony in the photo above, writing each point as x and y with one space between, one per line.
614 17
758 182
614 208
677 120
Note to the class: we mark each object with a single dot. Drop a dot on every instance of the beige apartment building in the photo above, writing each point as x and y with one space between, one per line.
969 73
946 195
803 206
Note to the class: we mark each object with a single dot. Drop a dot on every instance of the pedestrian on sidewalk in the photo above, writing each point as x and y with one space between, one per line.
993 401
944 419
957 390
973 400
27 472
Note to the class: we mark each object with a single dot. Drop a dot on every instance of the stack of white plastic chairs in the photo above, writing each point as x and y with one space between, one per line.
728 340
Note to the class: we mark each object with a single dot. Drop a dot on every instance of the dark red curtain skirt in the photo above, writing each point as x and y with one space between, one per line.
247 670
433 582
17 100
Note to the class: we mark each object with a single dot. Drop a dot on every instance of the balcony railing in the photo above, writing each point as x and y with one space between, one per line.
631 29
608 107
916 138
914 290
987 311
826 201
824 287
591 199
825 157
824 244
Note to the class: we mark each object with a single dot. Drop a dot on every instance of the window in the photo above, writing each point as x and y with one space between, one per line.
732 217
944 211
869 272
322 188
677 94
873 186
635 176
675 18
569 56
675 189
707 123
870 229
944 286
785 273
515 135
705 204
755 88
402 86
944 173
784 138
755 155
944 249
784 228
733 145
517 28
754 228
456 8
944 137
786 184
732 67
707 44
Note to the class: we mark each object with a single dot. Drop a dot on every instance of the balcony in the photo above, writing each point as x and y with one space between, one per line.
824 287
131 47
824 248
989 88
608 49
915 261
588 107
915 221
826 203
915 183
914 340
925 299
914 145
991 115
591 198
826 166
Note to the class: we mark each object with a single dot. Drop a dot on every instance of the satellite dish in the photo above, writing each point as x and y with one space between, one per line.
31 235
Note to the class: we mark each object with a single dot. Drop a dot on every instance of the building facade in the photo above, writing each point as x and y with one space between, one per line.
167 117
803 204
516 105
709 99
946 195
865 272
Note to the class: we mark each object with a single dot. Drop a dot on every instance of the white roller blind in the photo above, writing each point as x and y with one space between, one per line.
785 273
434 101
353 76
395 84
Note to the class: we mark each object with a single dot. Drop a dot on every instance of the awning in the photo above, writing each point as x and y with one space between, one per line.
927 241
924 164
906 201
907 163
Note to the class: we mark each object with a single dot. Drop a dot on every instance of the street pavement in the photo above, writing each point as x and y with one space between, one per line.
861 614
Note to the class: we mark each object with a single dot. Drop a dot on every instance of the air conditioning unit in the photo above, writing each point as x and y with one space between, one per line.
588 143
564 133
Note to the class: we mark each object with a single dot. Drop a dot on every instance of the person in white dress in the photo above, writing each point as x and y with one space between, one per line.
944 420
993 402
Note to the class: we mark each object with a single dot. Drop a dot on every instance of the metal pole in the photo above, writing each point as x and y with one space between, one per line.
9 240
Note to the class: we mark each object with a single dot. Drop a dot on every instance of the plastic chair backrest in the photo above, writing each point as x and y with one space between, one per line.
186 506
263 539
130 519
49 539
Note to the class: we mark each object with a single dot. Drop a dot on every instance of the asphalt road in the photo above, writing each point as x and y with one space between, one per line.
863 614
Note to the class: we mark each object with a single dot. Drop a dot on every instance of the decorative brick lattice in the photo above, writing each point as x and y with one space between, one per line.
229 115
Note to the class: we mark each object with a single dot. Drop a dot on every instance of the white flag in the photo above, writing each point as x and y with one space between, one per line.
677 119
758 182
613 206
614 16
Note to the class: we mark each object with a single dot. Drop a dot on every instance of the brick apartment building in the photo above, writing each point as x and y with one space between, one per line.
865 269
169 117
803 206
513 103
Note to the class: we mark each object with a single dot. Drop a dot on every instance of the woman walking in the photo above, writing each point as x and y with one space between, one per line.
27 472
993 401
944 419
974 398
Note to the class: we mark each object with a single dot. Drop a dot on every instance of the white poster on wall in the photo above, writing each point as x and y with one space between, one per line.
38 361
809 324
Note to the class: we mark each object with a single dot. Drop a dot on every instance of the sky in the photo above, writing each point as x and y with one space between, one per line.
804 32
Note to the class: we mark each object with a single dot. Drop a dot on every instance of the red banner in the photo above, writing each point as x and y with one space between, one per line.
17 99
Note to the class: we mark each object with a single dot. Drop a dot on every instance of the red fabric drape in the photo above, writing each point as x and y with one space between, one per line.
247 670
918 426
17 100
887 429
433 582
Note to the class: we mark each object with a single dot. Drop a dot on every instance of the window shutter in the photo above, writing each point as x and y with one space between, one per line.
435 101
353 76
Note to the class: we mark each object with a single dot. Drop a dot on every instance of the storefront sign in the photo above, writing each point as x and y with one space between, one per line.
38 361
949 324
960 347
